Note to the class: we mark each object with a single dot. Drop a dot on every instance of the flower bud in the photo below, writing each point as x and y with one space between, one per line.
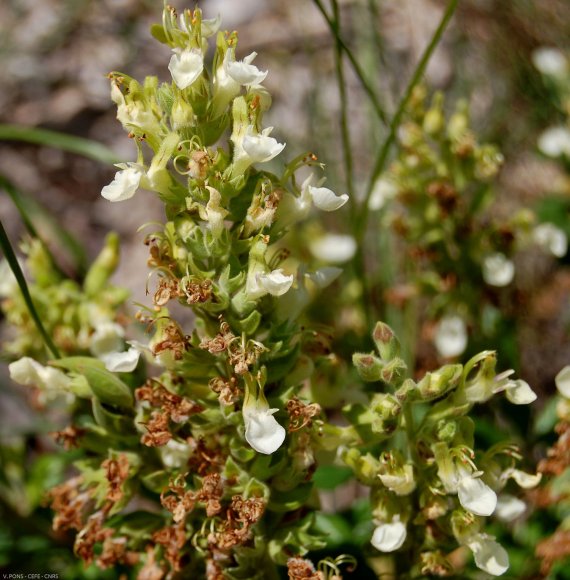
103 267
440 382
368 366
386 342
386 410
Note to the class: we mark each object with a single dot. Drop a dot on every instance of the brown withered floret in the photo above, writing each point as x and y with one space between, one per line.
151 569
228 390
445 194
198 292
158 433
68 502
159 253
173 539
213 570
68 437
236 528
558 457
220 342
553 549
211 494
206 459
301 569
116 472
300 414
115 552
176 407
93 533
167 290
174 341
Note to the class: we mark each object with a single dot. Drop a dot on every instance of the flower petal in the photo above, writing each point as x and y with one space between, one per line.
509 507
326 199
476 496
498 270
261 148
124 185
121 362
333 248
243 72
520 393
262 431
489 555
275 283
186 66
389 537
562 381
451 336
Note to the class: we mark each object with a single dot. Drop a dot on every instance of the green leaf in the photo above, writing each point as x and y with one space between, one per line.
78 145
18 274
331 476
32 212
106 386
335 528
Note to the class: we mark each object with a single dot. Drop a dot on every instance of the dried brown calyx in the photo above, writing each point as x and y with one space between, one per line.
68 437
168 289
172 539
301 414
116 472
69 503
228 390
301 569
175 406
173 340
198 291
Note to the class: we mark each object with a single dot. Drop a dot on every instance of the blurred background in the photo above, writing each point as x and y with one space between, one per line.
54 59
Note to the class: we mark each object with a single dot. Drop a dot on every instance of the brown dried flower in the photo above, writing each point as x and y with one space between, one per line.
117 472
300 414
301 569
158 433
68 437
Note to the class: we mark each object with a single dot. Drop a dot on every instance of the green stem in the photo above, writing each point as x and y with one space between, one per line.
345 133
394 125
357 68
360 224
15 267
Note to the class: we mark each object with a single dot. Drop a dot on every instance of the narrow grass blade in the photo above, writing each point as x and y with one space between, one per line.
18 274
31 211
78 145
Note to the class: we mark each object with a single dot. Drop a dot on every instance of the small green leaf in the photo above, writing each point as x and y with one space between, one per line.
106 386
331 476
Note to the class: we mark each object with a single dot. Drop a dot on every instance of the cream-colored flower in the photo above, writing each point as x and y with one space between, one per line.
326 199
333 248
451 336
389 536
186 66
509 507
550 61
552 239
489 555
260 147
125 183
498 270
275 283
555 141
562 381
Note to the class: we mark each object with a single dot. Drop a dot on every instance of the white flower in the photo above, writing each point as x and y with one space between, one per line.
519 393
275 283
555 141
552 239
243 72
185 66
121 362
125 183
27 371
384 190
498 270
400 481
108 337
451 336
214 213
260 147
523 479
550 61
388 537
489 555
333 248
262 431
509 507
326 199
476 496
562 381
